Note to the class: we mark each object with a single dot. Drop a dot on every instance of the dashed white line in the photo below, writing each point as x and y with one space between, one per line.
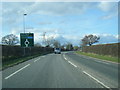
64 57
72 64
96 80
37 60
69 61
17 71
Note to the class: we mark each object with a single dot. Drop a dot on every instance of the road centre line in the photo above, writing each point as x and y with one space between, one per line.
72 64
64 57
69 61
17 71
96 80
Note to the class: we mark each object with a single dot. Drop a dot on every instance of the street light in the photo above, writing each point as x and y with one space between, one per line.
24 21
24 28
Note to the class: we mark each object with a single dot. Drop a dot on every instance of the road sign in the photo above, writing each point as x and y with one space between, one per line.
27 39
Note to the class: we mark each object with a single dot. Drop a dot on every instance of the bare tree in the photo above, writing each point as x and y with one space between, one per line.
76 47
49 41
10 39
44 38
56 44
38 45
90 39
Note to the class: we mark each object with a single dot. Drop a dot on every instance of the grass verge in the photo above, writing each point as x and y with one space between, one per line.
103 57
17 61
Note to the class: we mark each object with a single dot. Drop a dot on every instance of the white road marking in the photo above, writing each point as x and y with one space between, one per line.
96 80
17 71
37 60
64 57
72 64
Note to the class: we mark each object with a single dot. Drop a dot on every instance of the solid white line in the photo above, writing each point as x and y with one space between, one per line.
17 71
72 64
96 79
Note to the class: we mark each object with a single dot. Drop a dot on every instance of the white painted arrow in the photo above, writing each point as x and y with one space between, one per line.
26 42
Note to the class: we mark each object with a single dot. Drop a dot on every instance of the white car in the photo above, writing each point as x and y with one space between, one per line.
57 51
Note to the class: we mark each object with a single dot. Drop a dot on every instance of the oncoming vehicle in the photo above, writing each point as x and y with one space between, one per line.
57 50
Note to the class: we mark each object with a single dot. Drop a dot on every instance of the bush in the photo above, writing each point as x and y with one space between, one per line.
104 49
14 52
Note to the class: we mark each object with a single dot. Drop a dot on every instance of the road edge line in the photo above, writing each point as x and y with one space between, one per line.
97 80
17 71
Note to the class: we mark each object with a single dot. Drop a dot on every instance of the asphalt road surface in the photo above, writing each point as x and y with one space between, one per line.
65 70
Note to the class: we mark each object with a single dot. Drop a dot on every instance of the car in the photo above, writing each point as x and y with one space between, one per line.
57 50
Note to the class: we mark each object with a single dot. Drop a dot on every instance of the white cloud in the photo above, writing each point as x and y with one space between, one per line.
110 9
65 38
107 38
117 37
107 6
57 8
12 10
16 31
13 15
45 23
109 16
38 36
53 8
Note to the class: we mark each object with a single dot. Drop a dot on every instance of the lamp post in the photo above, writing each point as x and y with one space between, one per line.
24 27
24 21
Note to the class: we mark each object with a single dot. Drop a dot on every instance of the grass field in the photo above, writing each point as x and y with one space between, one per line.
102 57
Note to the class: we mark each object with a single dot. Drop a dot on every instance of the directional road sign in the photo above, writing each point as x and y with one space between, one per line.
27 39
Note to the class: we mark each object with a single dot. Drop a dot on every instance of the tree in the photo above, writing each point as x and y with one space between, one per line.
69 46
76 47
37 45
10 39
49 41
63 47
90 39
56 44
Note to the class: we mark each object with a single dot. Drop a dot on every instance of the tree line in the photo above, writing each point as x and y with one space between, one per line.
90 39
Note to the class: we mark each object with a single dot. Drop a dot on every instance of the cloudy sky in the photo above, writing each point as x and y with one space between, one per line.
64 21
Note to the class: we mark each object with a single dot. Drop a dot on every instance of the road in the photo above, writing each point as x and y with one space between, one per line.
66 70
